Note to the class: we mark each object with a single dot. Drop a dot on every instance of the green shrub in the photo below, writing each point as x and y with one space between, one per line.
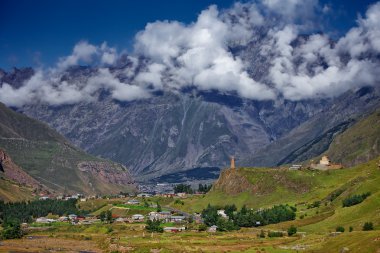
292 230
12 230
202 227
275 234
339 229
351 229
368 226
355 199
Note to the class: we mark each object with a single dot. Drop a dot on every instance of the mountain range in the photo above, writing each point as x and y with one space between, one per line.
172 134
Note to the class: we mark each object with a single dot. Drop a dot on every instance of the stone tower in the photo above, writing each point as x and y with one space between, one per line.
232 163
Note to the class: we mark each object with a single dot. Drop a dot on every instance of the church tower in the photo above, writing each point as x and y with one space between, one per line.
232 163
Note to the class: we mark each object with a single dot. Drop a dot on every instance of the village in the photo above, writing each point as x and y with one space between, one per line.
144 206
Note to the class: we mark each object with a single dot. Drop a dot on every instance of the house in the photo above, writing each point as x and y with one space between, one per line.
63 218
45 220
174 229
222 213
181 194
42 220
174 218
295 167
325 160
153 216
133 202
73 217
119 219
164 215
138 217
212 229
144 195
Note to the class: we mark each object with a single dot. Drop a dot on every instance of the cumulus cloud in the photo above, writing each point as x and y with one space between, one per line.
170 55
319 67
84 52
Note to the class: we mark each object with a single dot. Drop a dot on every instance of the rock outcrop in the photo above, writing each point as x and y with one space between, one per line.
15 173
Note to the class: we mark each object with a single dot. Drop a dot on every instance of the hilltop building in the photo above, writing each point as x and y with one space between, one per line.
232 167
325 160
325 164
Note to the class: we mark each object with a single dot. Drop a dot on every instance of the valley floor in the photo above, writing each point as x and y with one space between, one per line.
134 238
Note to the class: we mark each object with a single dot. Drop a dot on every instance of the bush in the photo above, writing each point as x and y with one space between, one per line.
339 229
355 199
154 226
292 230
351 229
12 230
275 234
262 234
202 227
368 226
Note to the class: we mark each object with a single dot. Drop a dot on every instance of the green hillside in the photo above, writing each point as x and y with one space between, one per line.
11 191
359 143
48 157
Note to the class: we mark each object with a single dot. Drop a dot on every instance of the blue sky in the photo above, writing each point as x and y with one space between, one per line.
39 32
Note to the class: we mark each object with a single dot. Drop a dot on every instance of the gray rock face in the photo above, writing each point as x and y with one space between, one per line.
175 132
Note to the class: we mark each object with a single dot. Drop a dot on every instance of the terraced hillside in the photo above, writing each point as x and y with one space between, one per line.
54 162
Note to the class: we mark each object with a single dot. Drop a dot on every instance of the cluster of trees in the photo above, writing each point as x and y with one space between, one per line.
314 204
26 211
183 188
154 226
204 188
106 216
246 217
366 227
355 199
13 214
11 230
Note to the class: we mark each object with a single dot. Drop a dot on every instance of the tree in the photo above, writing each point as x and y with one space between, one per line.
202 227
292 230
339 229
262 234
109 216
368 226
159 209
154 226
102 216
12 230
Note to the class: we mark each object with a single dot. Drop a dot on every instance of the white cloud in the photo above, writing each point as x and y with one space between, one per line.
169 55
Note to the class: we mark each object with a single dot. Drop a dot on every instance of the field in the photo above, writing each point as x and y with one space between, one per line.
134 238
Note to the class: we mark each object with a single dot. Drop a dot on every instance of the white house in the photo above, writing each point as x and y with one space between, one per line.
133 202
212 229
73 216
174 218
137 217
174 229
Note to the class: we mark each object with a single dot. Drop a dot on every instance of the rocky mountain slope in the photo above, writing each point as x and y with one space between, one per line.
52 161
314 136
171 133
359 143
16 184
